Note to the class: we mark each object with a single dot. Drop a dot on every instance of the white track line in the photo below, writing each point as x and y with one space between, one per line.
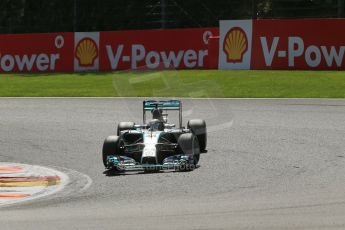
88 179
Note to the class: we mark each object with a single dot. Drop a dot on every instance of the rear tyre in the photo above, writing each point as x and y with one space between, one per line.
189 145
110 147
125 126
198 127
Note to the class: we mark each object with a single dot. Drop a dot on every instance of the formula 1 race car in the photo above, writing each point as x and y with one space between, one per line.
156 145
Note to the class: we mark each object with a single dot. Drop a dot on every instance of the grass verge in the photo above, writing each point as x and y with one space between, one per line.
192 83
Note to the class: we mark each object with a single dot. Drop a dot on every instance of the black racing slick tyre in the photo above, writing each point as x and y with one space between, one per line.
198 127
189 145
124 126
110 147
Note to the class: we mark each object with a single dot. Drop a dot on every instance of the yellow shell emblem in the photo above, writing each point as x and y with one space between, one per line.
86 52
235 45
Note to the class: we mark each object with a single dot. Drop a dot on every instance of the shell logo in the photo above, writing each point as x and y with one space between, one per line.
235 45
86 52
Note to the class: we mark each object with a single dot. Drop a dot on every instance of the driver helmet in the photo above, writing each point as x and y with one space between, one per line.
156 125
157 114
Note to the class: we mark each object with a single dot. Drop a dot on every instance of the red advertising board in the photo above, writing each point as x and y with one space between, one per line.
37 52
304 44
106 51
298 44
155 49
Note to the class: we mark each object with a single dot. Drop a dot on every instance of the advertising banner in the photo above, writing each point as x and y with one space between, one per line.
36 52
105 51
155 49
301 44
310 44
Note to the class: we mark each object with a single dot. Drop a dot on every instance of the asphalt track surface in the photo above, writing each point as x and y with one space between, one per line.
271 164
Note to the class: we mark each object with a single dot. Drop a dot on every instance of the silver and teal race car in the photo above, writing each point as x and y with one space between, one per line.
157 144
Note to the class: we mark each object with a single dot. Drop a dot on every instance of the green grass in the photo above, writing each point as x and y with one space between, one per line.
193 83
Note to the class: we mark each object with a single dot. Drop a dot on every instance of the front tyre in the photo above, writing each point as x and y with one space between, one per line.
110 147
189 145
198 127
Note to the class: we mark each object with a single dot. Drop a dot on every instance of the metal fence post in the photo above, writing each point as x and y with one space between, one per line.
75 16
254 9
340 8
163 14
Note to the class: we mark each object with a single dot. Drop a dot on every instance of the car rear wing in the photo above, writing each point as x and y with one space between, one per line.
149 105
